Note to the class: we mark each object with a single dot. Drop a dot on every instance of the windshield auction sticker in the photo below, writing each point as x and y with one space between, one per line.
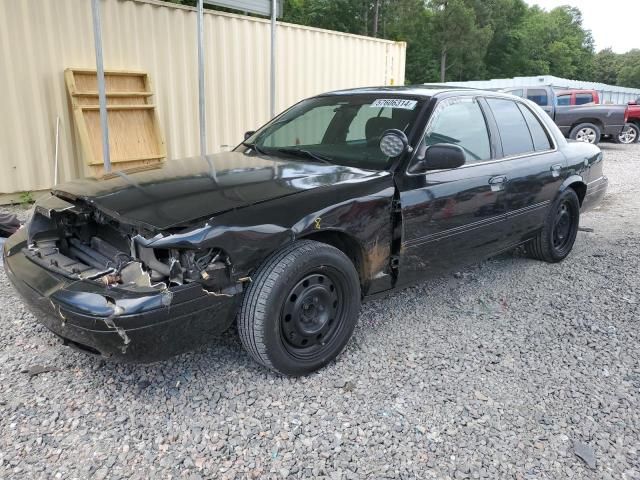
395 103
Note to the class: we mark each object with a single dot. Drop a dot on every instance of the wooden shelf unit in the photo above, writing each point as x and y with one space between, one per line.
135 137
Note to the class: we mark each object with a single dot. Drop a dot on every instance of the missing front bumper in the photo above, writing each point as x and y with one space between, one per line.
133 327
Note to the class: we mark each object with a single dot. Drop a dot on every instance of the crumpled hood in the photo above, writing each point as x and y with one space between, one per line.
181 191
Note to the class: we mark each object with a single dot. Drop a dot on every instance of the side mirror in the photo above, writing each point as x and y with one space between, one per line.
247 134
440 156
393 142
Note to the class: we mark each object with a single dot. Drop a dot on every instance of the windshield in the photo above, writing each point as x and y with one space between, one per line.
340 129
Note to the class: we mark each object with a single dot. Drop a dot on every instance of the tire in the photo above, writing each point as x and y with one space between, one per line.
629 134
301 308
586 132
555 241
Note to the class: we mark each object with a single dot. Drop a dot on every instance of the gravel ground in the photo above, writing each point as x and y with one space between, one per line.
508 369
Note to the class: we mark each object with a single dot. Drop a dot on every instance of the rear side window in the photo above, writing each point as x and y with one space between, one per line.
538 95
461 122
583 98
513 128
564 100
538 134
517 93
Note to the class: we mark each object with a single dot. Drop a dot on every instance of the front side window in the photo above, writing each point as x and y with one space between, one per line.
584 98
538 95
460 122
564 100
513 128
339 129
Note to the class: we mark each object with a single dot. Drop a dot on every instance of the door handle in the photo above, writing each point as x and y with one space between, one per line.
497 183
555 169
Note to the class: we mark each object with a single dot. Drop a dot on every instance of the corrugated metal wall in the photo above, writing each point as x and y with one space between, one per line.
40 38
608 93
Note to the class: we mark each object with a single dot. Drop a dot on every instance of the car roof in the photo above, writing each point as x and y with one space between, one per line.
424 91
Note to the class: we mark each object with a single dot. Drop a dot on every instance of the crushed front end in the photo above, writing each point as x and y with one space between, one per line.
119 290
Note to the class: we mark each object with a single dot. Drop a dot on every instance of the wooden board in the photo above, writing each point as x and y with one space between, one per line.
135 137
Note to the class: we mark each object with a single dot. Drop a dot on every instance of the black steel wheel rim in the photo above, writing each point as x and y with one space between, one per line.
311 316
563 226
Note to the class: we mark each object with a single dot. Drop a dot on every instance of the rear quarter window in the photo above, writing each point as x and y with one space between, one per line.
539 135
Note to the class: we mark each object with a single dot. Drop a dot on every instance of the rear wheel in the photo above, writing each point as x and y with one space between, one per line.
555 241
586 132
301 308
629 134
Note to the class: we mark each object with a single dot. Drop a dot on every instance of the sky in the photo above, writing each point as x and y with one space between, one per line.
613 23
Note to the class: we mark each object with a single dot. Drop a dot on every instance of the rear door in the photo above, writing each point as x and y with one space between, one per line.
533 166
453 216
584 98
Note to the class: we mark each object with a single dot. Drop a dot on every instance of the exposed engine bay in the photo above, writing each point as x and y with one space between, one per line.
82 243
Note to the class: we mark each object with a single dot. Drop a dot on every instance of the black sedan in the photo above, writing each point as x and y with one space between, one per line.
344 196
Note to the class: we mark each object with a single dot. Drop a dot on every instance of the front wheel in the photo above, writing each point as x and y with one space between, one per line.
301 308
555 241
629 134
586 132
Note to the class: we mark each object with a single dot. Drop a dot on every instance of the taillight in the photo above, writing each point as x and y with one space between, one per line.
626 114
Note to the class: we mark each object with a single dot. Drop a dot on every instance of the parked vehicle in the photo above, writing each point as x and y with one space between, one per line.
343 197
585 123
577 97
631 131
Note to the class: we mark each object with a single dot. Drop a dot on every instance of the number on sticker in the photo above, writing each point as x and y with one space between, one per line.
395 103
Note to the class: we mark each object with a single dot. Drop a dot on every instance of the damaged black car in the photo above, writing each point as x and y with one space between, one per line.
343 197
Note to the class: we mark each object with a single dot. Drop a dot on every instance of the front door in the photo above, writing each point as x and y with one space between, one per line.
541 97
454 216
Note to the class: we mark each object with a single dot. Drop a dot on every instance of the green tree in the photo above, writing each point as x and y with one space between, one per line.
505 18
629 74
411 22
606 65
616 69
554 43
461 42
341 15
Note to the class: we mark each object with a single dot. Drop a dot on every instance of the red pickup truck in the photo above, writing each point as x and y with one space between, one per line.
631 131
